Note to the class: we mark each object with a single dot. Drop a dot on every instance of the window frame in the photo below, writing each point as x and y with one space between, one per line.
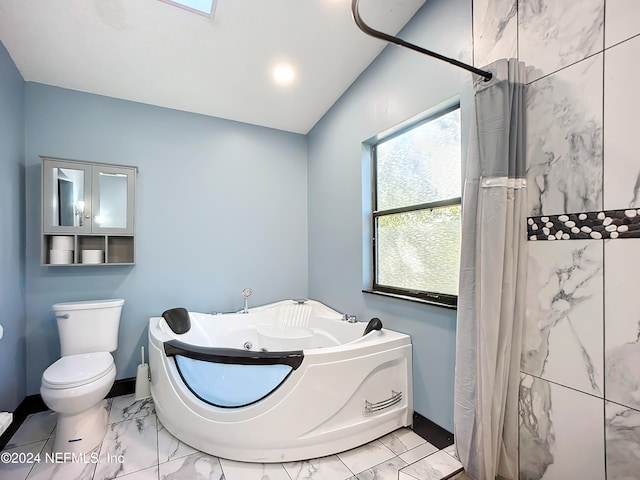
433 298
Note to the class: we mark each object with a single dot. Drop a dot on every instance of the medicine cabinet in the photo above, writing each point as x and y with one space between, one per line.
87 213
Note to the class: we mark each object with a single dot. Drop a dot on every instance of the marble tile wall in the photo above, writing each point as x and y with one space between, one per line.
580 389
621 142
563 332
495 30
564 139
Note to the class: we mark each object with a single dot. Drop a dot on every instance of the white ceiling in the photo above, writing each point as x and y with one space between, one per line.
151 52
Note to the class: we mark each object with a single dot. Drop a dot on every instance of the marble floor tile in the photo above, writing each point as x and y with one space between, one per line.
169 447
21 461
451 450
128 446
434 467
384 471
325 468
53 467
126 407
35 428
150 473
415 454
253 471
138 447
460 476
366 456
198 466
402 440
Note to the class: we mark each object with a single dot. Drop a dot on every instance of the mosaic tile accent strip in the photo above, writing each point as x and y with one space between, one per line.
585 226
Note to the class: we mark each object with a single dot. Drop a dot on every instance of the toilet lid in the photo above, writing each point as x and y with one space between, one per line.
77 370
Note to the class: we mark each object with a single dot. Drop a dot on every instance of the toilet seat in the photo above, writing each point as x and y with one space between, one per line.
77 370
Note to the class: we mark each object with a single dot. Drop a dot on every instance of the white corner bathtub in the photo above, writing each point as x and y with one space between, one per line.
284 382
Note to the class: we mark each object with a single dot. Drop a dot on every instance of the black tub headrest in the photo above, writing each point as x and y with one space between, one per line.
177 319
374 324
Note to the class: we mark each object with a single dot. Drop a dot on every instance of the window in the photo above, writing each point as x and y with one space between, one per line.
416 210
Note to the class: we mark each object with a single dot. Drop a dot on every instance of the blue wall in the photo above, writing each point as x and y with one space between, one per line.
399 85
12 346
220 206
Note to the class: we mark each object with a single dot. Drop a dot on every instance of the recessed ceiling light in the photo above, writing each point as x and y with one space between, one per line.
203 7
284 74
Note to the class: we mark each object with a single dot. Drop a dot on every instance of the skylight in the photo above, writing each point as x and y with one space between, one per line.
203 7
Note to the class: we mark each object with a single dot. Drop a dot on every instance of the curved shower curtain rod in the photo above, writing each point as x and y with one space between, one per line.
398 41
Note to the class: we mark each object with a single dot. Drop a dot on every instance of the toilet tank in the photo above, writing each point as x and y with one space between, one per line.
89 326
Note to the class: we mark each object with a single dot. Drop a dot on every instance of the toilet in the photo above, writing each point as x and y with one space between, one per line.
75 385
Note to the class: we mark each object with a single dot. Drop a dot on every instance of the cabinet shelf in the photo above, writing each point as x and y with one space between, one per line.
88 250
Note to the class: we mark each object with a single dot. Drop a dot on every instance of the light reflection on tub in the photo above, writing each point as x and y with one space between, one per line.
306 387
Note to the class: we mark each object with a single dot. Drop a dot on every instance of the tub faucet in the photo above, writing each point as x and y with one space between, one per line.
246 293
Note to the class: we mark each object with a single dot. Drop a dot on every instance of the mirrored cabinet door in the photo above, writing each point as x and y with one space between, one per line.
66 190
112 199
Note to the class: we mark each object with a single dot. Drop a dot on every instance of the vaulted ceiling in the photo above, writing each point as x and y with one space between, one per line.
152 52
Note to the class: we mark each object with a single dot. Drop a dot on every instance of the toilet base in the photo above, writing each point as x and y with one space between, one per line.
81 432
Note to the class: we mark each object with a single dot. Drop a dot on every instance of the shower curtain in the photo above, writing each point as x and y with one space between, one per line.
492 277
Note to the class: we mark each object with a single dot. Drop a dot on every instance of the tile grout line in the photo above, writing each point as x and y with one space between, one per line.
158 448
604 330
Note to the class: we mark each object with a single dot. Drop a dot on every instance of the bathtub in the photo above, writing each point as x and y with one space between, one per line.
283 382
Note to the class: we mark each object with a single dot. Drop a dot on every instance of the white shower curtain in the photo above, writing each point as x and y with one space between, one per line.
492 279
